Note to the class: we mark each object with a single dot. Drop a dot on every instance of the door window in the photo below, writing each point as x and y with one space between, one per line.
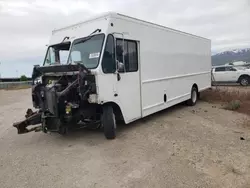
129 49
230 69
220 69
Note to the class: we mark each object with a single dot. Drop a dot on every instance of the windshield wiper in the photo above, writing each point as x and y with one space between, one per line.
84 40
88 37
65 38
97 30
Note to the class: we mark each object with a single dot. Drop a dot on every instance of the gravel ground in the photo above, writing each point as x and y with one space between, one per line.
180 147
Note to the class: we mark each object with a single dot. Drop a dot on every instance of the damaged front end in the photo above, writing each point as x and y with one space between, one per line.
32 118
60 93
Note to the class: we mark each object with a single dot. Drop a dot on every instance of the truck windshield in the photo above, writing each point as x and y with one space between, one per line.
87 51
57 54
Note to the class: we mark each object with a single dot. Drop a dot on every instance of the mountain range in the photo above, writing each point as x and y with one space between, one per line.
231 56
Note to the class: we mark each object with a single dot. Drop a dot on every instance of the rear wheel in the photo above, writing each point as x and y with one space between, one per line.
244 81
108 122
194 97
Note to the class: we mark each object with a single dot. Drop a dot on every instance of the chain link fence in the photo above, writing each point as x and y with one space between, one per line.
13 85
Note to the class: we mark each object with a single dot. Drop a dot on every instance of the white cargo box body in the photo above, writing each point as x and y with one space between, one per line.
170 63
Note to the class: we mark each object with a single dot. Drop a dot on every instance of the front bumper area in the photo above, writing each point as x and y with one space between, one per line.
31 118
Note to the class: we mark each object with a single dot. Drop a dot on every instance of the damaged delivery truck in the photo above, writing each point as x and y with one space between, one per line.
114 68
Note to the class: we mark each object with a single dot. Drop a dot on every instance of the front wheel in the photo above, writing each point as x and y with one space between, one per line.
108 122
194 97
244 81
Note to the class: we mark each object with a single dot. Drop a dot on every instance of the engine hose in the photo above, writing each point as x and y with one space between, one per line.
67 89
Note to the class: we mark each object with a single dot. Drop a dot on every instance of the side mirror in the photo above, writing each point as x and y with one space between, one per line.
119 51
48 61
120 66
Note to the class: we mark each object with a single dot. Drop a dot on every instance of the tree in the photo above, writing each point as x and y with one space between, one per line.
23 78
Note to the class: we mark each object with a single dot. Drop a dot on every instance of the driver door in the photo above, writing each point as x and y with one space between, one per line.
231 74
128 85
121 79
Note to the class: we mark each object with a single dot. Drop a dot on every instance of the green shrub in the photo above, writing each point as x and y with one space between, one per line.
23 78
233 105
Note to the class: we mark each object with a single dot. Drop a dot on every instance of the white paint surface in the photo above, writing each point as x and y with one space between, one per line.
170 62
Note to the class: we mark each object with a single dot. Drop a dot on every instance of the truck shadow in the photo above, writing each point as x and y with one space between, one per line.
96 136
150 119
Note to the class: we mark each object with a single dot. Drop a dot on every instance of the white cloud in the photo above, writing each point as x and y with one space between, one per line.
26 25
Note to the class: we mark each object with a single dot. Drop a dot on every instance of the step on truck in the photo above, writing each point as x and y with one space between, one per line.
114 68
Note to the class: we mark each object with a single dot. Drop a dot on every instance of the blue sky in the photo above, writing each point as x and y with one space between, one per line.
26 25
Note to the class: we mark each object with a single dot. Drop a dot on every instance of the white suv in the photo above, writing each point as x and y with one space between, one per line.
231 74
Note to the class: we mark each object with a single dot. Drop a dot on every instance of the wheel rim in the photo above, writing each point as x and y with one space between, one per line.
114 121
244 82
194 96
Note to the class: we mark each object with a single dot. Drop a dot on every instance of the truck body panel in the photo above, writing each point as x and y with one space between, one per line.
170 62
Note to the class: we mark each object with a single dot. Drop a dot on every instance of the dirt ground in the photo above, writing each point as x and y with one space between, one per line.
183 146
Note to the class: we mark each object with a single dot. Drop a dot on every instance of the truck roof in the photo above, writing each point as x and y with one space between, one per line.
122 16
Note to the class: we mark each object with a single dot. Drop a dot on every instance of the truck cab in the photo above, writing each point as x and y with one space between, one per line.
88 73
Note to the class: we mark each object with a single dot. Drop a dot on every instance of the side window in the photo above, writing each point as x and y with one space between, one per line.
233 69
130 54
119 51
230 69
108 61
220 69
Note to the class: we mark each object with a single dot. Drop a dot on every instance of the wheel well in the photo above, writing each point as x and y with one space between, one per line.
242 76
196 87
117 111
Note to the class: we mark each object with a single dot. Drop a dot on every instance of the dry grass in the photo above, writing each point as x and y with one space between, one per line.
232 98
233 105
225 94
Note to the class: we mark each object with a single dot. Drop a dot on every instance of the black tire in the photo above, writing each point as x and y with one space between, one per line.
244 81
63 130
194 97
108 122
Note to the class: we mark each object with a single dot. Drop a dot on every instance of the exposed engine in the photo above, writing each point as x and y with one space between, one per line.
60 93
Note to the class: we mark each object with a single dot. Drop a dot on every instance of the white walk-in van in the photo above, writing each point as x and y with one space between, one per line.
131 68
